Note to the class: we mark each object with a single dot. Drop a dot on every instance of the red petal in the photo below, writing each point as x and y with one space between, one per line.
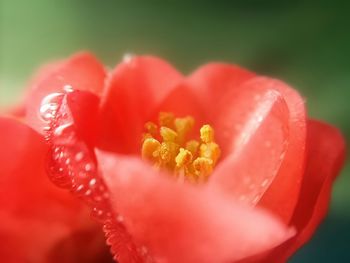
34 214
182 223
72 165
80 72
252 129
182 102
135 88
326 149
282 195
84 107
212 81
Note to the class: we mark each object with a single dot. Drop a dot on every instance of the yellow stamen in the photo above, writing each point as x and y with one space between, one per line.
189 160
203 167
183 158
210 151
183 126
168 135
193 146
150 149
207 133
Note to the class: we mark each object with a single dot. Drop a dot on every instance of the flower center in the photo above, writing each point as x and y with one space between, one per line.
169 148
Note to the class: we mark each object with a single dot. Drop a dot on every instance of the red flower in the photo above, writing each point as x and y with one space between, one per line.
263 200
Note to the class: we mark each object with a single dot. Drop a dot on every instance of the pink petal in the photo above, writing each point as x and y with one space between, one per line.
182 101
34 214
135 87
80 72
72 165
252 129
325 158
212 81
282 195
182 223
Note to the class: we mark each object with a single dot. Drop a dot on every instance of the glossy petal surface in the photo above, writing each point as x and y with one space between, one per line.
325 158
80 72
35 215
252 128
134 88
181 223
282 195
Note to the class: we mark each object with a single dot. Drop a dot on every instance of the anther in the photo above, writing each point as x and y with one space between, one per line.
192 161
207 133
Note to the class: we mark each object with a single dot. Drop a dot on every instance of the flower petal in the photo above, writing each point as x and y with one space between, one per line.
282 195
80 72
34 214
252 128
72 165
325 157
181 101
183 223
134 89
84 107
212 81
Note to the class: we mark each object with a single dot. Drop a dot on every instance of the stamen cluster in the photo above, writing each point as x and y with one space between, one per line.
167 147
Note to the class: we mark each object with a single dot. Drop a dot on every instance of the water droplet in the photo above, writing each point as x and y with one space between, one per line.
80 188
82 174
49 106
68 88
79 156
92 182
98 198
63 129
127 57
264 183
98 214
256 199
120 218
89 167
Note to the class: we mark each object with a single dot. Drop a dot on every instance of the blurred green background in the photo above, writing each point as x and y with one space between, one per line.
303 44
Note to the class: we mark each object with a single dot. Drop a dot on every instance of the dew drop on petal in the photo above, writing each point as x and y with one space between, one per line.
264 183
89 167
68 88
64 128
120 218
127 57
79 156
92 182
72 166
49 106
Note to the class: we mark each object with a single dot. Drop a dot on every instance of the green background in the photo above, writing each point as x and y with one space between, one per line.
303 44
